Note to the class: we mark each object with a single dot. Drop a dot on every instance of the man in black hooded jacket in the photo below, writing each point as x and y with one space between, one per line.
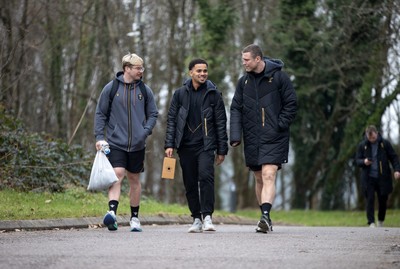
196 127
374 155
263 107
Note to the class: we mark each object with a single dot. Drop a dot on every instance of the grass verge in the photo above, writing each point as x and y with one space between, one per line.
77 202
325 218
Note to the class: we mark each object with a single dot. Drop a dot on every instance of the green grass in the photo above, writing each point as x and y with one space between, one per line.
77 202
325 218
73 203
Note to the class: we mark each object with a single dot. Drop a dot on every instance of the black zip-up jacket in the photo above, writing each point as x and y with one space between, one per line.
385 156
263 112
213 118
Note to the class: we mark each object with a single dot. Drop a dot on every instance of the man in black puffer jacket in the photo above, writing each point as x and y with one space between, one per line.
196 127
263 107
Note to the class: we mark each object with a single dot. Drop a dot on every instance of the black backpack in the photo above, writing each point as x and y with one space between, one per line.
114 90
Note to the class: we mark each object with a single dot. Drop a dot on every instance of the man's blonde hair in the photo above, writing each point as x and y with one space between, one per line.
131 59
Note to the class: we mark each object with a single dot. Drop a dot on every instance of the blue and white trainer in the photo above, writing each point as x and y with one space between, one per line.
110 220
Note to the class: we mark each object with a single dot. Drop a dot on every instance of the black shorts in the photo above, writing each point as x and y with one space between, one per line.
256 168
131 161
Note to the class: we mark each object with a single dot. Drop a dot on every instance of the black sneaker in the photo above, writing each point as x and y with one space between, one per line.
264 225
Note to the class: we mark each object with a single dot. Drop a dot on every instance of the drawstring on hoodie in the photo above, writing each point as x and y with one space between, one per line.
134 93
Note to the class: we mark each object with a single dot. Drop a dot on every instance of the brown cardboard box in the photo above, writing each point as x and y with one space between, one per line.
168 169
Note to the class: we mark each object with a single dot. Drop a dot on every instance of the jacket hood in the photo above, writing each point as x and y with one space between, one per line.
271 66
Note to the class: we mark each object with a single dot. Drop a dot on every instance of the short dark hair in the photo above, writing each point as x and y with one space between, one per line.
254 50
371 129
197 61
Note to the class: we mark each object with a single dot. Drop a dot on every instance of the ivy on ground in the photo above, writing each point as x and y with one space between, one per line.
38 162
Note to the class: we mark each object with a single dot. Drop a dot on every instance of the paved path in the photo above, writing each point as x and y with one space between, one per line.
123 220
231 246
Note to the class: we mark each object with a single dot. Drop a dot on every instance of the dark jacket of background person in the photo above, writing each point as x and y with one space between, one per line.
385 155
123 130
264 112
213 118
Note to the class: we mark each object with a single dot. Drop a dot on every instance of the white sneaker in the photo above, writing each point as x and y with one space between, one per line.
196 226
135 225
380 223
372 225
208 225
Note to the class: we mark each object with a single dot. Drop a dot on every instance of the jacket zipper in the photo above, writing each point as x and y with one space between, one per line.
380 167
262 109
129 117
205 125
263 117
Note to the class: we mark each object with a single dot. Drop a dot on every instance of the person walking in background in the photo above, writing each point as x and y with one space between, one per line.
124 119
196 127
374 156
263 107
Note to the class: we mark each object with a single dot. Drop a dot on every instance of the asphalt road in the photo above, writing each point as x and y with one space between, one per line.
231 246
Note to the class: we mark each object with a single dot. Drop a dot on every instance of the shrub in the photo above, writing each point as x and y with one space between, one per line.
30 161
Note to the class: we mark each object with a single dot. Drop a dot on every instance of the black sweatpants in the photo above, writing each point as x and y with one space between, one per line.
198 178
372 187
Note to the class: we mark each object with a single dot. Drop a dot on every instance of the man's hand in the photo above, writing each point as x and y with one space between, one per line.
367 161
100 143
169 152
397 175
235 144
219 159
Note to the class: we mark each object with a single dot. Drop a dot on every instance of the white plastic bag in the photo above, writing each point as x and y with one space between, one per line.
102 175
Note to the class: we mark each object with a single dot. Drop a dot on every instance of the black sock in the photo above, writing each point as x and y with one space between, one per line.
266 208
197 216
205 215
113 206
134 211
261 209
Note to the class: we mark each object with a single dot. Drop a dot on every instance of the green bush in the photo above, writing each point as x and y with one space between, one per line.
38 162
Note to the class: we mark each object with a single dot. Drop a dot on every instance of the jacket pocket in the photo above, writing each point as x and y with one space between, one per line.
269 119
180 119
208 119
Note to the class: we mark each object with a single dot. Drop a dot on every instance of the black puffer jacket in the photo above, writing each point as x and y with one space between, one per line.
385 156
213 119
264 112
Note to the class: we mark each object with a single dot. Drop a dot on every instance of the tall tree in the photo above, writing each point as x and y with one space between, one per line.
253 24
168 42
216 21
337 51
56 57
